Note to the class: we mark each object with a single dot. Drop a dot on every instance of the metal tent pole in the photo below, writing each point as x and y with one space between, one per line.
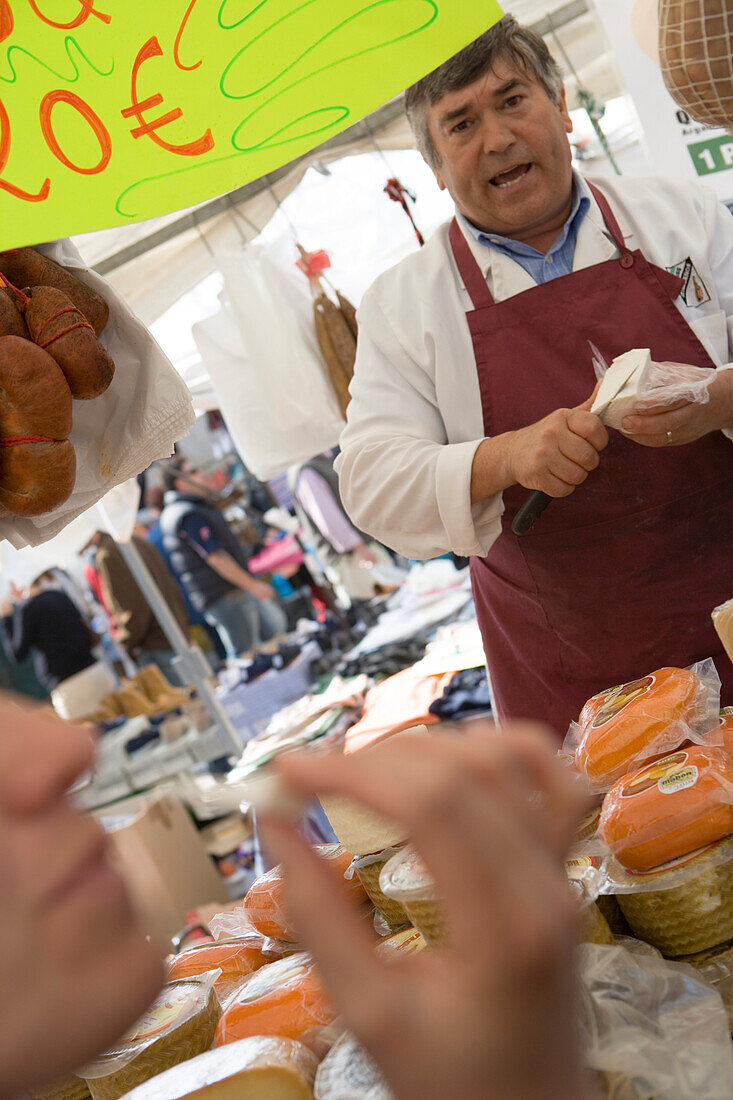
190 663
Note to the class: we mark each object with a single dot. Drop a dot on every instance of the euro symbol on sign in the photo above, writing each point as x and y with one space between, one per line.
138 108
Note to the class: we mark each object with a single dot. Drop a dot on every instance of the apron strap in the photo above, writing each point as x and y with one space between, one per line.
608 216
469 269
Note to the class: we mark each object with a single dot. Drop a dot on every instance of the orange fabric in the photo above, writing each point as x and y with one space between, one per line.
401 701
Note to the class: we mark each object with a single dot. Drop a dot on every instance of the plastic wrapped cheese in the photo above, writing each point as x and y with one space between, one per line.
235 958
625 727
406 880
348 1073
265 901
260 1068
408 941
70 1088
285 998
669 808
368 869
682 907
180 1024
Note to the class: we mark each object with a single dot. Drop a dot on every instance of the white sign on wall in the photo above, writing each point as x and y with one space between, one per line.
677 146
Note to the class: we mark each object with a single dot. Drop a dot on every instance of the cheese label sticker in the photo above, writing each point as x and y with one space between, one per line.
619 697
170 1009
664 771
678 781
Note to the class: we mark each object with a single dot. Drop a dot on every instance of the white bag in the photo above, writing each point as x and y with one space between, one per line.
260 350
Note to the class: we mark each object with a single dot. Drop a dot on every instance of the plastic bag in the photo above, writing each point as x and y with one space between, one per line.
260 350
653 1028
668 383
627 726
634 382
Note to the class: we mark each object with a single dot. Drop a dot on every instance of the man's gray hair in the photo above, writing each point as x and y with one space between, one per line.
508 40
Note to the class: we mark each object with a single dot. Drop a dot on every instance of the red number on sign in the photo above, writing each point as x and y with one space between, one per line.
87 9
6 20
100 130
17 192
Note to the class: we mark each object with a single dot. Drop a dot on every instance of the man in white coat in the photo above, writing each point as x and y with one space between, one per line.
473 383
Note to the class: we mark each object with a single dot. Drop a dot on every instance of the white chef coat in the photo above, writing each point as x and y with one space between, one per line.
415 419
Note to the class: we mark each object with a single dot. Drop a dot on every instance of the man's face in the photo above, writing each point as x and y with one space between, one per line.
504 153
76 969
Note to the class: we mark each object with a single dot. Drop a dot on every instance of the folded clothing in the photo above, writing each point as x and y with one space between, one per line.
468 691
398 702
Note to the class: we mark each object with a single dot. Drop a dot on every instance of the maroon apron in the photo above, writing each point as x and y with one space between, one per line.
620 577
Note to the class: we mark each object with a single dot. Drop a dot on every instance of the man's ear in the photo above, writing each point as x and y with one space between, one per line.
439 179
565 113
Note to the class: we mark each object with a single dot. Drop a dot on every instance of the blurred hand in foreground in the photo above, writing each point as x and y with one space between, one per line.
493 1013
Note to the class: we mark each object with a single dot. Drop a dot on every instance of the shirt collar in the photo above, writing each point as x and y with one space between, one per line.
580 207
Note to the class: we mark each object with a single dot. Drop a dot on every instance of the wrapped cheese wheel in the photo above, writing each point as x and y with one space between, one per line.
70 1088
368 870
265 900
235 958
406 880
285 998
408 941
682 907
669 808
626 726
349 1073
180 1024
260 1068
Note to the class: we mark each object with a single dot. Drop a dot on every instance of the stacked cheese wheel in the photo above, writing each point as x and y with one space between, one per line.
49 354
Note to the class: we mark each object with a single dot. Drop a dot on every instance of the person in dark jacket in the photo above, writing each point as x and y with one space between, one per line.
48 626
209 560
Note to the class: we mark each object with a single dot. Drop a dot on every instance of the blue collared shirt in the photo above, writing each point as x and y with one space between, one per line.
542 266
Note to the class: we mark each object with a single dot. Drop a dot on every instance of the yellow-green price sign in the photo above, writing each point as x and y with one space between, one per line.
116 110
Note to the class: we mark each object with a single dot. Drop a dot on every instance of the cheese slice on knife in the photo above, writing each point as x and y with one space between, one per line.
618 393
259 1068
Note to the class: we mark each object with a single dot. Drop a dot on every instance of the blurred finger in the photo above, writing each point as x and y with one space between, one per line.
40 758
324 914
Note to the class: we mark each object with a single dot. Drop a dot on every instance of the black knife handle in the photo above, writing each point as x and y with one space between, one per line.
530 512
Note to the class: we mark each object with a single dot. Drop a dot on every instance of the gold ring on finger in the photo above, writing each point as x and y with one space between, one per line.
669 437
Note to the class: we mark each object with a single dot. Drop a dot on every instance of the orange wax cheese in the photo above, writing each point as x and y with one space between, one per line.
285 998
628 725
669 808
236 958
265 900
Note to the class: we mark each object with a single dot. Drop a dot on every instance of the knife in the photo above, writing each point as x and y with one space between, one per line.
537 501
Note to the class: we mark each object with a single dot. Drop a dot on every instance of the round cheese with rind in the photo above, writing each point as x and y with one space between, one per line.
180 1024
259 1068
349 1073
285 998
